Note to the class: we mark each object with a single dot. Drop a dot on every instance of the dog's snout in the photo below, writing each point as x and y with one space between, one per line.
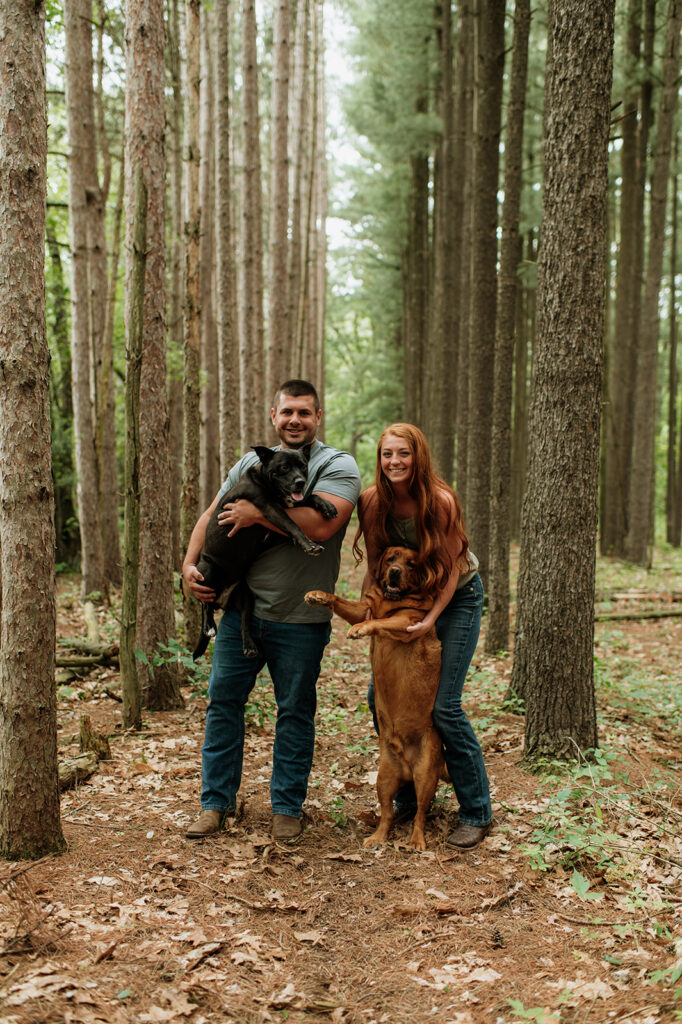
299 483
394 574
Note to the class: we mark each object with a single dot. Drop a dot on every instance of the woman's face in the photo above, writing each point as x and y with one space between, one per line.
397 460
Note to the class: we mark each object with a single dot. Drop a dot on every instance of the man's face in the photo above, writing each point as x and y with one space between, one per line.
295 420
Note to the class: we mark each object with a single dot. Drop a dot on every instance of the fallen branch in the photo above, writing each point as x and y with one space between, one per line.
668 613
76 769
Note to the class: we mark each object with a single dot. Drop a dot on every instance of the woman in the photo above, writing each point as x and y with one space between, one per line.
410 506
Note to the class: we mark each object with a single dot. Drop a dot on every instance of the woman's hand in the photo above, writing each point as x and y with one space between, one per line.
239 514
421 628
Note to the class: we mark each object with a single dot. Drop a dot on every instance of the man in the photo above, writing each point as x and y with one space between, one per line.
290 635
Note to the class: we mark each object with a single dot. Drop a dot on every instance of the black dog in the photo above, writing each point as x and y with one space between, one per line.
277 483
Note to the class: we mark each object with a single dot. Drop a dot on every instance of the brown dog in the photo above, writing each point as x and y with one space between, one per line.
406 675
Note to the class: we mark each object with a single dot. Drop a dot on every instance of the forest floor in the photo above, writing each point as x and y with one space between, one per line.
571 910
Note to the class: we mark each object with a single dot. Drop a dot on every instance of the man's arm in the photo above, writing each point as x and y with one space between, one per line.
190 573
242 513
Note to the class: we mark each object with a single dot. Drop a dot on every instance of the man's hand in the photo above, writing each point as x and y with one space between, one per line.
239 514
194 583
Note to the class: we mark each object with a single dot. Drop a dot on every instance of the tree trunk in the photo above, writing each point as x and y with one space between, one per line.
672 497
145 128
278 346
447 261
102 338
175 385
554 650
497 633
639 539
489 55
81 135
228 346
209 475
192 304
67 540
299 132
29 797
130 684
252 359
618 405
464 111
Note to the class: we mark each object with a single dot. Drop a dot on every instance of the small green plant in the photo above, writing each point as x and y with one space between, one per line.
536 1013
337 811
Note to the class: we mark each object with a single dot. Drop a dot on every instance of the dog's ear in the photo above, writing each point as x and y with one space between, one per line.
263 453
380 563
306 450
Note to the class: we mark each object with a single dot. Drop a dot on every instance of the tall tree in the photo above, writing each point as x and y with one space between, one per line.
192 300
464 110
553 656
175 326
489 56
144 144
447 262
81 173
672 496
210 433
278 343
29 796
622 353
497 633
228 347
252 358
639 537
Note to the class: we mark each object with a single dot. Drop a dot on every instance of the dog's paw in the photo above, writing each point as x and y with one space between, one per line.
313 549
318 597
249 652
328 510
358 630
210 631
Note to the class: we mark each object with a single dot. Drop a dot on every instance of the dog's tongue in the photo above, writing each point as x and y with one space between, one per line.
297 495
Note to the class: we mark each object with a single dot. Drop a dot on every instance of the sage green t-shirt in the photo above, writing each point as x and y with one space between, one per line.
281 577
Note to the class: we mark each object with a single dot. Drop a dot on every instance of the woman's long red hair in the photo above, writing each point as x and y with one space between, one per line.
431 525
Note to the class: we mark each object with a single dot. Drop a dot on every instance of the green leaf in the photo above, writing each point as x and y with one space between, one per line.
580 884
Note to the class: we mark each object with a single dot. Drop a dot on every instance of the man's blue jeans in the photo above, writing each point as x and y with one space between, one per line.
458 627
293 654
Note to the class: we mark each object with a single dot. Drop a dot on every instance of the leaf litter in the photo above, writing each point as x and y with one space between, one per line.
569 911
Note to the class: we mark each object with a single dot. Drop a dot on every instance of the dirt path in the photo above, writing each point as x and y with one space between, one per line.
565 913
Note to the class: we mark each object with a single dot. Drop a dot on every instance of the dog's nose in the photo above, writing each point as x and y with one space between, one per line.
299 483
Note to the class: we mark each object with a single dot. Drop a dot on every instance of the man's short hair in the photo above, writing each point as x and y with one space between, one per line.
297 388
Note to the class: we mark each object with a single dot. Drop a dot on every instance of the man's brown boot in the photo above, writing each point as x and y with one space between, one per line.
284 826
206 824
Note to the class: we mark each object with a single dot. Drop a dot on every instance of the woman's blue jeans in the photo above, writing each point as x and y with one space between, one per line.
293 654
458 627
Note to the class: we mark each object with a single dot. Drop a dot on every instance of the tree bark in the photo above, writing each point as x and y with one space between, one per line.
192 305
639 539
130 685
208 404
278 341
81 134
145 130
618 403
672 496
228 344
175 384
252 357
554 649
489 55
29 797
464 110
497 632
